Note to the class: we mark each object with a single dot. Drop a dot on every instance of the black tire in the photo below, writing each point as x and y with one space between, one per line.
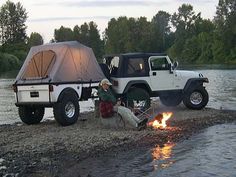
66 111
171 99
138 94
196 98
31 115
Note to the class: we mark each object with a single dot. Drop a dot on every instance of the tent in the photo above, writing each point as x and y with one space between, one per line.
60 62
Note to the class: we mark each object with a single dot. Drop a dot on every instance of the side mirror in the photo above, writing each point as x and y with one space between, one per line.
175 65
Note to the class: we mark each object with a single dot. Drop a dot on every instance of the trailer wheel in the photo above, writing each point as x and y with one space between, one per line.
66 111
196 99
31 115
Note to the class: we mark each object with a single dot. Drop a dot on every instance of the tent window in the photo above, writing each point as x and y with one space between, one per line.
40 65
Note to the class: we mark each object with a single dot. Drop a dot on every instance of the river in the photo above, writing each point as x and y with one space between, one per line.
221 88
211 153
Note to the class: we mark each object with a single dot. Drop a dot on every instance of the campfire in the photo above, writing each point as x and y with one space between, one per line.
159 121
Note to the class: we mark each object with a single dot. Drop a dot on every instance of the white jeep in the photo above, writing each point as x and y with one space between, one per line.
56 75
139 76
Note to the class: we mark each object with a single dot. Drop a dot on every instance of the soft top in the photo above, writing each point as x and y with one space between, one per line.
60 62
135 54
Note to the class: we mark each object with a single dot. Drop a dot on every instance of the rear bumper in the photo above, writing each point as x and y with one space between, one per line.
43 104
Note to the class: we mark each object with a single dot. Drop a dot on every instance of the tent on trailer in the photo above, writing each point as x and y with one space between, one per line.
60 62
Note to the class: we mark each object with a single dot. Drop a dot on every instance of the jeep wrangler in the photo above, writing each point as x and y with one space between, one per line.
138 76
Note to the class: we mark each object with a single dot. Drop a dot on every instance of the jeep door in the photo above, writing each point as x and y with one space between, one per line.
161 77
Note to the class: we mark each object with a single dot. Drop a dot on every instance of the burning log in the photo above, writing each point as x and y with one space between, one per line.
159 121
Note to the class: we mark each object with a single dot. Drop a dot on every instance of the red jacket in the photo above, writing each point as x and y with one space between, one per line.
106 109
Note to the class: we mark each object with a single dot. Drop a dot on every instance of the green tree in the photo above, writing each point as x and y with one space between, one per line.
185 18
203 25
35 39
205 42
95 41
161 30
183 22
116 35
12 23
83 35
143 37
88 34
63 34
128 35
8 62
198 47
191 51
225 36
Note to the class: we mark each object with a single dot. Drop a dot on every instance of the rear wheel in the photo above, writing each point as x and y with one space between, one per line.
31 115
138 98
171 99
196 99
66 111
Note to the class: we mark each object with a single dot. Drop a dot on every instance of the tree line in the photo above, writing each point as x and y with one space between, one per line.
184 35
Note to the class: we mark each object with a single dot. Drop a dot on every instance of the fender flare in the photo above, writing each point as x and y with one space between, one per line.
65 91
137 82
194 83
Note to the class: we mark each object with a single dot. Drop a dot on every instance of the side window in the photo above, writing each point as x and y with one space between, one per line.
40 65
136 67
159 63
114 65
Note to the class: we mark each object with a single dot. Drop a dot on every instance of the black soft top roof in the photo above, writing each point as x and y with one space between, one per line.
136 54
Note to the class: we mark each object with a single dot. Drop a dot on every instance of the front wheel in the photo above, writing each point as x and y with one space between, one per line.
196 99
66 111
31 115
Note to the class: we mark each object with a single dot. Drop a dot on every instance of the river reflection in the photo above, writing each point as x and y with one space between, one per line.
162 154
209 153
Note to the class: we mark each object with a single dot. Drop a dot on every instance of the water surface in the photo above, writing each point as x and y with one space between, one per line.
221 88
210 153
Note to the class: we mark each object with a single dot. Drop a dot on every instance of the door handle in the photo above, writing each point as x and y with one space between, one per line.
154 73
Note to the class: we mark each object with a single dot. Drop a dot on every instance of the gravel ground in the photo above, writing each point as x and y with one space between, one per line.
48 149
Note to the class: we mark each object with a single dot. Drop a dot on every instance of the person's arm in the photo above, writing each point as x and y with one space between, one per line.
106 96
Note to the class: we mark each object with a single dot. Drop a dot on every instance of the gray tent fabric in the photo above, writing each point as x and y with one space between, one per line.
60 62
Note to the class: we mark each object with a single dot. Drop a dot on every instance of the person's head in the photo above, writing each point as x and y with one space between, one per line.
105 83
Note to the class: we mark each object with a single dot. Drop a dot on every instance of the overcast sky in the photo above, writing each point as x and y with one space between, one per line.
46 15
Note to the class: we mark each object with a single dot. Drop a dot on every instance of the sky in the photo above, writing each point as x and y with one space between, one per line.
46 15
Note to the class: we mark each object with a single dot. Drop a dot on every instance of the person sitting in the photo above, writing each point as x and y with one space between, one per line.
109 105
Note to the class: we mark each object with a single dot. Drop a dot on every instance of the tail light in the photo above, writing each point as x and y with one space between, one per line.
14 87
115 83
51 88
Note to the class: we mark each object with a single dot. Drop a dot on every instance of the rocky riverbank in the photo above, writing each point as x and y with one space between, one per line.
48 149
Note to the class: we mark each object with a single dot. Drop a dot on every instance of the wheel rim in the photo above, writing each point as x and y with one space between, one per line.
196 98
70 109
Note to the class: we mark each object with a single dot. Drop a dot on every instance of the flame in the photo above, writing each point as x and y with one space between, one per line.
160 120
